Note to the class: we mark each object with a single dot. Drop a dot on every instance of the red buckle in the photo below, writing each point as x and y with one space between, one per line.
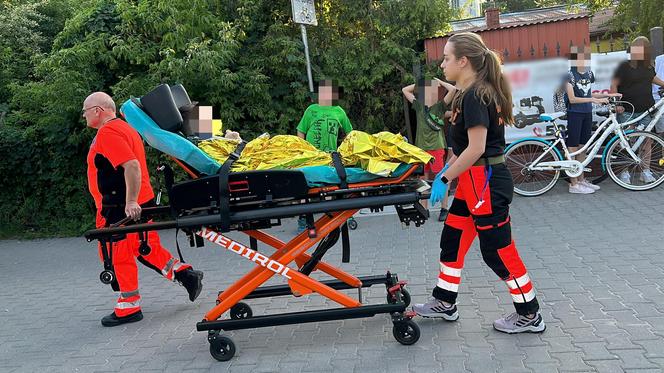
396 287
238 186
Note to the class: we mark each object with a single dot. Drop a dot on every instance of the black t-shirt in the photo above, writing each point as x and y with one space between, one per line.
475 113
636 85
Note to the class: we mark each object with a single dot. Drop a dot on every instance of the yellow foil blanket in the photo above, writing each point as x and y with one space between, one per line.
379 154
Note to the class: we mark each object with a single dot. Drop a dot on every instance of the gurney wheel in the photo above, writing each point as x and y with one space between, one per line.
406 332
222 348
107 277
352 224
241 311
405 296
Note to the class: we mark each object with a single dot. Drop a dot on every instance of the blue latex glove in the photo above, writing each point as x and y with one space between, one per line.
438 188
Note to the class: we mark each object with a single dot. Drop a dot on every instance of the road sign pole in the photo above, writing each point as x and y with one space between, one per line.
306 54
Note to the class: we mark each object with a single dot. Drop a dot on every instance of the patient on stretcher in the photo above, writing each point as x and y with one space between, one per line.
160 121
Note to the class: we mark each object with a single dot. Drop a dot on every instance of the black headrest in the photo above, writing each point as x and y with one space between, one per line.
160 105
180 96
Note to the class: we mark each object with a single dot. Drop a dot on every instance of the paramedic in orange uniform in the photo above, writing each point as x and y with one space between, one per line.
119 182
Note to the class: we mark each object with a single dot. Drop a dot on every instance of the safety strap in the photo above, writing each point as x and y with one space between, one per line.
224 192
177 245
341 170
345 244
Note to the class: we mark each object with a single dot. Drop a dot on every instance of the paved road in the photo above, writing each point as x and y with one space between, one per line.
597 262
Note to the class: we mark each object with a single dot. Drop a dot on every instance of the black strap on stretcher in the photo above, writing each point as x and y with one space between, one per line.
224 191
343 184
341 170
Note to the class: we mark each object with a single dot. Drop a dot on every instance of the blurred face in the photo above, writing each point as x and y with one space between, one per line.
451 65
581 61
637 53
328 94
92 114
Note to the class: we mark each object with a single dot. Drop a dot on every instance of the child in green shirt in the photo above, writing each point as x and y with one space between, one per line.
321 122
429 133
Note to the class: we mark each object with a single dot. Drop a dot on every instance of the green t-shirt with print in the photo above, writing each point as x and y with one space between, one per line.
321 126
426 137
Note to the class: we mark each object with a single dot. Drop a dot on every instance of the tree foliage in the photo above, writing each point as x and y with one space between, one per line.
637 17
243 57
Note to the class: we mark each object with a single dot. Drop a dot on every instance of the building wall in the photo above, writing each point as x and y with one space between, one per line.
508 41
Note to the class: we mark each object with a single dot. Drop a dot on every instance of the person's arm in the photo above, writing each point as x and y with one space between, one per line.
451 91
303 126
582 100
603 95
408 92
656 80
475 149
132 174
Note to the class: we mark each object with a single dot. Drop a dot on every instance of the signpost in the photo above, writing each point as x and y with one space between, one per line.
304 13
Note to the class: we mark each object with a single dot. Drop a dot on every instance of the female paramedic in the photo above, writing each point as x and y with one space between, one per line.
480 109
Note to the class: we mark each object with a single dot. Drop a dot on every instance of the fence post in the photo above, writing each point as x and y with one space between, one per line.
545 50
597 42
657 39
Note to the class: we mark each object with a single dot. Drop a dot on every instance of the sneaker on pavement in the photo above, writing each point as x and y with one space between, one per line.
647 177
436 308
515 323
624 177
579 188
588 184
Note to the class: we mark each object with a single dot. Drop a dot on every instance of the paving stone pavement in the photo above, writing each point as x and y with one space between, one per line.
596 262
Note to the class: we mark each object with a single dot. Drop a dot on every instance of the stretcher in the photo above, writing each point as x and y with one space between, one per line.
210 205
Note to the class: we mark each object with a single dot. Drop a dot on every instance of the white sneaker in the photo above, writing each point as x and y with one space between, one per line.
580 189
624 177
647 177
587 184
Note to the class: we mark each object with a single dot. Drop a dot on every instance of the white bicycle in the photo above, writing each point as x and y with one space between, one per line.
633 159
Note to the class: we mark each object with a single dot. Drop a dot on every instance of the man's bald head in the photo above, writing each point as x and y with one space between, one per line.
100 99
98 108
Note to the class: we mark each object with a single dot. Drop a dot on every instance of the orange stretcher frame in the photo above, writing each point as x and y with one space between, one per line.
295 251
299 282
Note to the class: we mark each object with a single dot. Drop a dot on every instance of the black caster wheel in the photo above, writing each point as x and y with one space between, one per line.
106 277
406 332
405 296
241 311
222 348
352 224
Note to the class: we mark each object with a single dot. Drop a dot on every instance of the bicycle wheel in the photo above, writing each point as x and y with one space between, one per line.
529 182
630 174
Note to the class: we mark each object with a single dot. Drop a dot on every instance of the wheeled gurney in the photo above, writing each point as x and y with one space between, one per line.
210 205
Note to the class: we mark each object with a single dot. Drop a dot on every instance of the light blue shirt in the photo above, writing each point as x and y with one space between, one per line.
659 70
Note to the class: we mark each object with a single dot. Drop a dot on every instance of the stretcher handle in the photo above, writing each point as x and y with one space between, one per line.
266 213
144 212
